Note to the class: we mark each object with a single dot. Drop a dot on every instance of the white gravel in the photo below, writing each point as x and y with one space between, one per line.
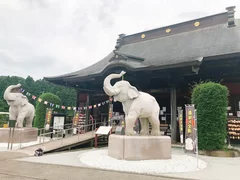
178 163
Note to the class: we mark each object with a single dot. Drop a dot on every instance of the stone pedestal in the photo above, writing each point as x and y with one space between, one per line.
139 147
22 135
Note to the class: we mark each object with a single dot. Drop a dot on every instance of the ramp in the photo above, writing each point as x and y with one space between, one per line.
61 144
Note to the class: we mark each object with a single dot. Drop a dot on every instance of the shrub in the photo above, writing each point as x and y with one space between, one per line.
211 100
41 108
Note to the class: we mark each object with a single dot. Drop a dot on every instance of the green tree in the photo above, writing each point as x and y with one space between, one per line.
37 88
3 106
211 100
41 108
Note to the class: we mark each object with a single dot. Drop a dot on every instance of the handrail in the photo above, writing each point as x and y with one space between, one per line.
61 133
56 126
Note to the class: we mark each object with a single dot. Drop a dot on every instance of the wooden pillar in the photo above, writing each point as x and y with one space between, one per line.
78 99
87 112
173 115
87 106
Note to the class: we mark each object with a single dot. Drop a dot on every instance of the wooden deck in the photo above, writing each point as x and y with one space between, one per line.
61 144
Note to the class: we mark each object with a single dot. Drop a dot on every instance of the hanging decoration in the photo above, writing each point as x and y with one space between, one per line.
63 106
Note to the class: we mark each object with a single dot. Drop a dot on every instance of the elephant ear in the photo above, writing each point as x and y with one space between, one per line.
24 100
133 92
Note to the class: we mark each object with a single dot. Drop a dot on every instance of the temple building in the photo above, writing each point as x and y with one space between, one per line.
165 62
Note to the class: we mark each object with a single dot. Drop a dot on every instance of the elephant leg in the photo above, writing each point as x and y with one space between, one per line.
155 125
12 117
12 114
29 121
20 119
144 126
20 122
130 121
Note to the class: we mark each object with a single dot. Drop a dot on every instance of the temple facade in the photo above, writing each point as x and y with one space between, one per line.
166 62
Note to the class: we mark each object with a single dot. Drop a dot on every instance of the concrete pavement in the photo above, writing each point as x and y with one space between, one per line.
66 166
19 170
217 168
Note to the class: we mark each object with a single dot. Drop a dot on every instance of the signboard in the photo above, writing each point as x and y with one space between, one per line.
190 125
58 122
103 130
76 118
164 109
11 123
180 121
48 117
120 130
234 128
117 117
238 113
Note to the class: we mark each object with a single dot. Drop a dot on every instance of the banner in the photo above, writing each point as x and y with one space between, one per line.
180 121
76 118
61 106
190 125
48 118
195 134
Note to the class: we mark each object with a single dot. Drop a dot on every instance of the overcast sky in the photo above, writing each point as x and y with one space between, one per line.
53 37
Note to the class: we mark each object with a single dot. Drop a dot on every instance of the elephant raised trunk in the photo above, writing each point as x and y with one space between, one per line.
107 87
20 108
8 94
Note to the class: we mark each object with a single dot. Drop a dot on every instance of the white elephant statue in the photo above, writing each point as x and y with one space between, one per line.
19 108
135 105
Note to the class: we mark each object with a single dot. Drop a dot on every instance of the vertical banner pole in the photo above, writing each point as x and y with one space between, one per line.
189 132
95 139
12 137
110 113
9 137
196 135
75 122
48 118
180 121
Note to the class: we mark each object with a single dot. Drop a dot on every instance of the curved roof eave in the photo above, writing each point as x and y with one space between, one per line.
122 64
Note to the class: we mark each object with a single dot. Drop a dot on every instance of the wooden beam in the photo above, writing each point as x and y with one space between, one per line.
77 102
87 110
173 115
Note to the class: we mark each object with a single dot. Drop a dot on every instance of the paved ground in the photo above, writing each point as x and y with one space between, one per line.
217 168
12 169
66 166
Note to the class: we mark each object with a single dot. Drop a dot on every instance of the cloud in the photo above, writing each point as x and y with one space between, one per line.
53 37
190 14
7 58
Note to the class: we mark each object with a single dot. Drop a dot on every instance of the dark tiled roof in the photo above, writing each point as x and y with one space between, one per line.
184 47
190 44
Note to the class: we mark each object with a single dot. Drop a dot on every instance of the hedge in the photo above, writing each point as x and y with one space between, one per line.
39 120
211 101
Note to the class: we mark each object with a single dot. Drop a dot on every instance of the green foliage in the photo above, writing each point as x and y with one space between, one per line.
211 100
38 87
3 119
3 106
41 108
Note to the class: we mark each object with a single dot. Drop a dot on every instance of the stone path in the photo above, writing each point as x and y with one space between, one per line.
217 168
18 170
66 165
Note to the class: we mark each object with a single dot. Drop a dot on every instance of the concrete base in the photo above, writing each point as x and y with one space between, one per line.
139 147
22 135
